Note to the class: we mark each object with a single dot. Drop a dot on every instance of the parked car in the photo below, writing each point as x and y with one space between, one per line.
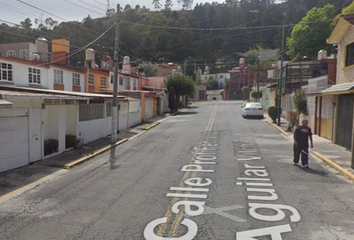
253 109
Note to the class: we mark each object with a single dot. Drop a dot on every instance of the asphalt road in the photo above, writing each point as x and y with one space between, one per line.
208 173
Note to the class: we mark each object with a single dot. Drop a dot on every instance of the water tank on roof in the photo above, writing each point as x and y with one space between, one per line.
126 60
322 54
306 58
242 61
90 54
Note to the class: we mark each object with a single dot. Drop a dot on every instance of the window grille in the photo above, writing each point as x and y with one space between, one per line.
76 79
91 79
91 111
5 71
58 76
34 75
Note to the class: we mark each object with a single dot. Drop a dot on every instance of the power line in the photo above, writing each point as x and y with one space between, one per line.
92 5
77 5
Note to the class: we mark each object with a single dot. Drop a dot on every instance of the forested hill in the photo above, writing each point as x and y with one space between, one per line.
208 32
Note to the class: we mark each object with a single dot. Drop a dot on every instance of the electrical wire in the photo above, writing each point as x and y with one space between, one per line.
92 5
77 5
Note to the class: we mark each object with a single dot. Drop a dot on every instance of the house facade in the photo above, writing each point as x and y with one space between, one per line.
342 93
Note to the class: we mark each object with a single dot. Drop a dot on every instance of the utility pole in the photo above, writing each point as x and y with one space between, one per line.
115 111
257 77
281 75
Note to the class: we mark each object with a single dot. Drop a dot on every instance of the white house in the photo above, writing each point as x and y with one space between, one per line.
39 115
221 78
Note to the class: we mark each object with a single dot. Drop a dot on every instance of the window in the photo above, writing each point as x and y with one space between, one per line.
206 78
121 81
24 54
58 76
11 53
112 78
91 111
221 76
103 81
6 71
350 55
34 75
91 79
76 79
126 82
134 84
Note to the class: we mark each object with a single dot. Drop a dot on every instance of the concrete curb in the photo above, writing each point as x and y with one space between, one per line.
335 165
152 126
278 128
98 152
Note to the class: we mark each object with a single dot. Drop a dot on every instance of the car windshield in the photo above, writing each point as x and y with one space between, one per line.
253 105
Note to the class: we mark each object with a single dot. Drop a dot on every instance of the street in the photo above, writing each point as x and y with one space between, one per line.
207 172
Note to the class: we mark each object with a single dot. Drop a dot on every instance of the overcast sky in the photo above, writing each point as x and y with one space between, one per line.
66 10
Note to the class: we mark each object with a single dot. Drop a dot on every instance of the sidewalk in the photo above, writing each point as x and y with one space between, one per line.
332 154
28 175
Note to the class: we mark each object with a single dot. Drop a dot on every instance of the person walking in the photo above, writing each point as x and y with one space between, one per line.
302 135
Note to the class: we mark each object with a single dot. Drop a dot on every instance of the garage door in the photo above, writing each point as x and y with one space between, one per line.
13 138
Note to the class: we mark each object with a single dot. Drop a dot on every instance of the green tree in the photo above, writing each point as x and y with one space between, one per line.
182 85
26 24
149 69
172 105
310 34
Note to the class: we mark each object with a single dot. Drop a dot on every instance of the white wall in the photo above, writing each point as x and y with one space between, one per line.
71 119
165 104
20 74
134 113
67 79
94 129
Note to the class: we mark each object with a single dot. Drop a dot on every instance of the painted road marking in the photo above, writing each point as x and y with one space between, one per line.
221 211
258 187
192 169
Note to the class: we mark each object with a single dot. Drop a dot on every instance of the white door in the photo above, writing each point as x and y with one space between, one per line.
36 135
14 149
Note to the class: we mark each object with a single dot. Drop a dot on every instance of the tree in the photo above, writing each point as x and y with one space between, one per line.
182 85
50 23
310 34
149 69
172 99
26 24
300 102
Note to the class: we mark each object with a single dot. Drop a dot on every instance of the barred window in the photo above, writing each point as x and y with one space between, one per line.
91 79
11 53
76 79
58 76
5 71
24 54
34 75
91 111
103 81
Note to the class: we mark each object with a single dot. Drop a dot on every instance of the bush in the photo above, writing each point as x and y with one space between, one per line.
273 113
257 95
70 140
50 146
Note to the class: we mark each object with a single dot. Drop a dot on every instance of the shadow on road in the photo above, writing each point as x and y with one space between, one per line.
313 171
187 113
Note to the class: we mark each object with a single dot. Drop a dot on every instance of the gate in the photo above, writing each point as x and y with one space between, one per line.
345 121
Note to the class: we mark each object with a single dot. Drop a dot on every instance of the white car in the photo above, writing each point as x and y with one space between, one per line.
253 109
